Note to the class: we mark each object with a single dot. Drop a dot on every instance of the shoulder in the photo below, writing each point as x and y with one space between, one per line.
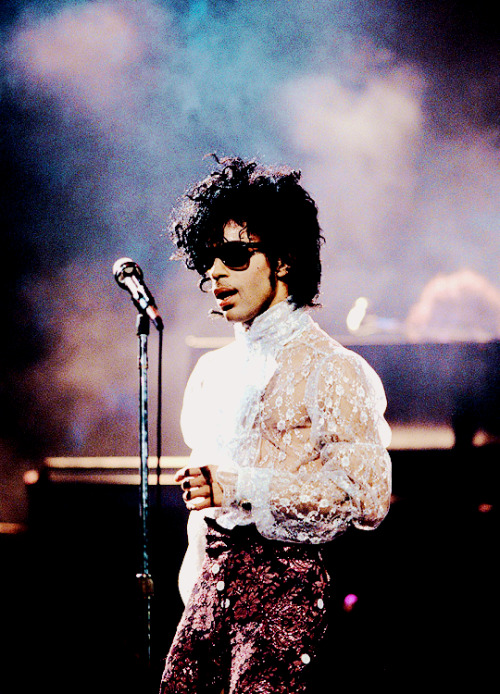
333 361
215 356
211 362
207 378
322 348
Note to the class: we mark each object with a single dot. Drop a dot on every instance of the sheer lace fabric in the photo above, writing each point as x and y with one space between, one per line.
295 423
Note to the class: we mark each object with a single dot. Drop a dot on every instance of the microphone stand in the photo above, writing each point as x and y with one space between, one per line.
144 578
129 276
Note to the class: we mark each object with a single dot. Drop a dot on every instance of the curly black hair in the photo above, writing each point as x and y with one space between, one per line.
275 209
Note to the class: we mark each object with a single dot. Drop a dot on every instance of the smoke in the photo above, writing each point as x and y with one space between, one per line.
107 110
399 201
360 139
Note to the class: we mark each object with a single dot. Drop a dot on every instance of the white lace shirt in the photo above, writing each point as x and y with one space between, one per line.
295 423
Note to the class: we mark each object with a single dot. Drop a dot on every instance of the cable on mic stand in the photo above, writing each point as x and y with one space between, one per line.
158 422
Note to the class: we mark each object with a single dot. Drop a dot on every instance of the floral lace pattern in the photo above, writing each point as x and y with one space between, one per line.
295 423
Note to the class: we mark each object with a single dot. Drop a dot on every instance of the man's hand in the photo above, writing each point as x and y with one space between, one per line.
200 488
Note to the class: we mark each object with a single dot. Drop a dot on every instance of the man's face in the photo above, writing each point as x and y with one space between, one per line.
244 294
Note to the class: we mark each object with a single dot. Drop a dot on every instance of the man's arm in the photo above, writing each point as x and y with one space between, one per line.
313 479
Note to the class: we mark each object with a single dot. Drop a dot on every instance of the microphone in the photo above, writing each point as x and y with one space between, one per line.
130 277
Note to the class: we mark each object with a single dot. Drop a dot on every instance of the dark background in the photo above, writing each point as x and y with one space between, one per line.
426 582
107 108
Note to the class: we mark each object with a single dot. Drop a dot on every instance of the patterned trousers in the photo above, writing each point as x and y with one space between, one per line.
254 620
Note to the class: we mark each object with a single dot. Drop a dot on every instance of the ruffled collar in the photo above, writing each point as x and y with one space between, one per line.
273 328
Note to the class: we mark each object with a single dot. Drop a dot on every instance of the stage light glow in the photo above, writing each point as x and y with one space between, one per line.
31 476
357 314
349 601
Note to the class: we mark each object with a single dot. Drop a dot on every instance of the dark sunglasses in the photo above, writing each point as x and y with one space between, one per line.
234 254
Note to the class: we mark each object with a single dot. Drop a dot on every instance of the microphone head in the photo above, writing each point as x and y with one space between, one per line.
126 267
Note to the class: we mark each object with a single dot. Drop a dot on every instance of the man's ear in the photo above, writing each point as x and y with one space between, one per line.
282 269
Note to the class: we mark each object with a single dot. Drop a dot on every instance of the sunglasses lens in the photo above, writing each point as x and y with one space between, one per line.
235 255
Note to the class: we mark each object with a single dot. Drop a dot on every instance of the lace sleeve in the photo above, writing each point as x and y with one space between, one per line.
349 431
324 468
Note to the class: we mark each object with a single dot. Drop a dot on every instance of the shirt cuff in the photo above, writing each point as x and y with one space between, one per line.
253 487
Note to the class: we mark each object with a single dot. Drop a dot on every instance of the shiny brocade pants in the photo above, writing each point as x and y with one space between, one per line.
254 620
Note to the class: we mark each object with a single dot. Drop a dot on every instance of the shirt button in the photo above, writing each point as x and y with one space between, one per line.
227 604
320 604
215 569
220 586
306 659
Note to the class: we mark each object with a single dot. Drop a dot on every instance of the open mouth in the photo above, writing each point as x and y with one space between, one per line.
224 296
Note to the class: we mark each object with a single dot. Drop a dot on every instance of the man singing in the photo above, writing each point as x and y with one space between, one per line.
288 441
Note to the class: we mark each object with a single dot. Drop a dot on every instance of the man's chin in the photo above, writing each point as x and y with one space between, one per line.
232 315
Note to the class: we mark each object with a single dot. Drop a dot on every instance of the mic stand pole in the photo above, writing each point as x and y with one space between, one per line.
144 577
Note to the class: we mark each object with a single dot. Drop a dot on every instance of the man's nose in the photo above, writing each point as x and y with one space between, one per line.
218 269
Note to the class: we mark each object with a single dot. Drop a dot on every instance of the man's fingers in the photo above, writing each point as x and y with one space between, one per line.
180 474
207 474
197 486
196 493
198 504
190 477
193 482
